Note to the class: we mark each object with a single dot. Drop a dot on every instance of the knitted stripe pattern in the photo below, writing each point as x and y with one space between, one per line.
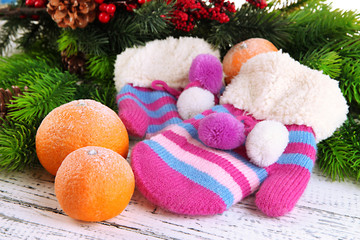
146 111
177 172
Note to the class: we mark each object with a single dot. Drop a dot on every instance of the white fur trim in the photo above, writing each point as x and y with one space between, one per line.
266 142
193 101
274 86
168 60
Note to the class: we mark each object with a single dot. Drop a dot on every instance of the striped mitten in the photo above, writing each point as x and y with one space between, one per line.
146 76
176 171
147 110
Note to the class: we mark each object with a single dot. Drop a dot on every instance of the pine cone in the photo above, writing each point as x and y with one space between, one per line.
72 13
75 64
5 97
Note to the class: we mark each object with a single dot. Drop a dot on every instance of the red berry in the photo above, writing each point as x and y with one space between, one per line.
103 7
30 3
22 16
99 1
39 4
141 2
104 17
111 8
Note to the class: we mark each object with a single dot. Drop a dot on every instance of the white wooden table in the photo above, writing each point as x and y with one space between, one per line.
29 210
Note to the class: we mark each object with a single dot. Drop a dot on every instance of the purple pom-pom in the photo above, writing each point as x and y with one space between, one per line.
222 131
207 70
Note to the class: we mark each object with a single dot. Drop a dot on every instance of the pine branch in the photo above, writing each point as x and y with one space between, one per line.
101 68
124 33
17 145
33 36
152 20
68 42
9 32
106 94
350 80
316 25
247 22
11 68
339 155
325 60
47 90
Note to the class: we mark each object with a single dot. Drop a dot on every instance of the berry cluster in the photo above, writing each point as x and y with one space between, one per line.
258 3
108 9
187 12
36 3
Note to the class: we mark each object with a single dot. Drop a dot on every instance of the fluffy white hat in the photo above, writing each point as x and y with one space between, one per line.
168 60
274 86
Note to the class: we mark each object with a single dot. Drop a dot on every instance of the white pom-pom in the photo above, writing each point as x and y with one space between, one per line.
193 101
266 142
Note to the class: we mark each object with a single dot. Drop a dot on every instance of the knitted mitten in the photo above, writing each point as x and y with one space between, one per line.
144 106
176 171
147 110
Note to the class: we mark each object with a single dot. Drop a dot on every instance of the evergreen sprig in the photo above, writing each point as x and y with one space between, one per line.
9 31
17 144
11 68
47 90
325 60
350 81
152 18
101 68
29 35
247 22
339 155
317 24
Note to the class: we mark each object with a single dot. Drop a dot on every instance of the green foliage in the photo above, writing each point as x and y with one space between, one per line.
91 40
104 93
17 144
47 90
8 32
150 19
11 68
323 59
350 81
316 24
101 68
29 35
339 155
68 42
247 22
123 31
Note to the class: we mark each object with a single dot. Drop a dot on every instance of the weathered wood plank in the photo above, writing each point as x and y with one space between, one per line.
327 210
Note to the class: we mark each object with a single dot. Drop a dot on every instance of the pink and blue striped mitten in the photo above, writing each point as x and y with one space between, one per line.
149 81
208 163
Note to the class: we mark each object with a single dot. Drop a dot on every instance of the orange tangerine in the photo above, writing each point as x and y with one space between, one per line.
94 184
75 125
243 51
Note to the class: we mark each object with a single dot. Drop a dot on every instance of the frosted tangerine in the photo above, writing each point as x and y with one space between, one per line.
94 184
78 124
243 51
